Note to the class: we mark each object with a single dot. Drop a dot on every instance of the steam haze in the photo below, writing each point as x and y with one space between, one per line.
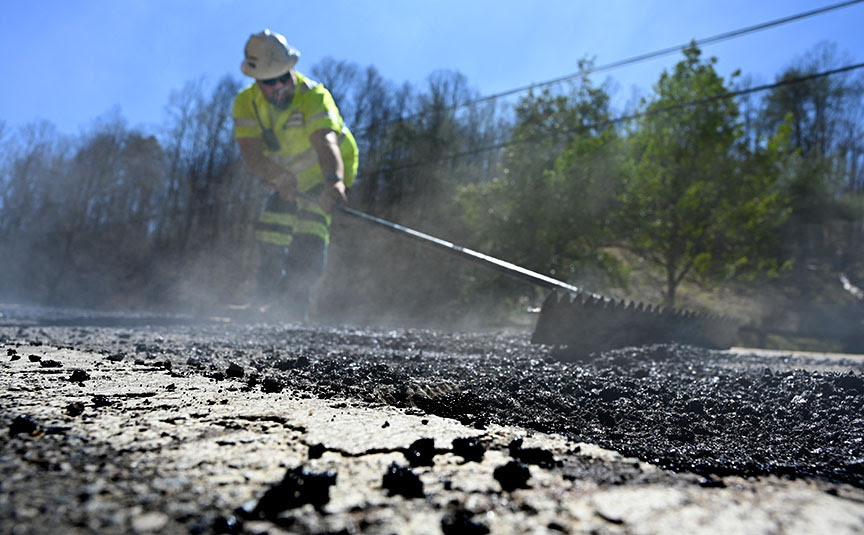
161 217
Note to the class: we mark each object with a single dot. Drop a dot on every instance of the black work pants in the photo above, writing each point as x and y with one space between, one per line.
287 273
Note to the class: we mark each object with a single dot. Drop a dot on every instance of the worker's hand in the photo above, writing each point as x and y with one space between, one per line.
286 187
332 195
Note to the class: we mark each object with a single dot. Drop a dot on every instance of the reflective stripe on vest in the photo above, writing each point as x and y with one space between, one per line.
314 228
307 159
278 218
312 207
275 235
296 119
275 238
298 162
278 228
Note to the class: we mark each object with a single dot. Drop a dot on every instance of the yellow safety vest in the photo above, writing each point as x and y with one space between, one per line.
312 108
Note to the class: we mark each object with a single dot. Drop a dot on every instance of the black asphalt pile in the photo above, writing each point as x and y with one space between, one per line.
461 522
679 407
403 481
513 475
298 487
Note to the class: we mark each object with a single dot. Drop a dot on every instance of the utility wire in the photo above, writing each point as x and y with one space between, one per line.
670 50
635 59
625 118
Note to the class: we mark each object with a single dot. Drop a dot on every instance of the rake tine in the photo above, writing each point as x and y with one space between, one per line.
589 323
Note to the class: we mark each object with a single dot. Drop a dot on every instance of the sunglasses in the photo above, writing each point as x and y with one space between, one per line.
273 81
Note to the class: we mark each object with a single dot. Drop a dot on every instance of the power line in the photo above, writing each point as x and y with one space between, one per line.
671 50
626 118
636 59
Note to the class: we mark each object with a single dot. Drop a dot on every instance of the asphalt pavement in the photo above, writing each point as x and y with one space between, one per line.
149 427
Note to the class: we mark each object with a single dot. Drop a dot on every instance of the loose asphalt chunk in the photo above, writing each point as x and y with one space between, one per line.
401 481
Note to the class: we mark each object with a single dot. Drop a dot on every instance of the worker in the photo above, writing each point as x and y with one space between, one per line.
292 137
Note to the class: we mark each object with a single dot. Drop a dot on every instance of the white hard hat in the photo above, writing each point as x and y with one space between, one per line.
268 55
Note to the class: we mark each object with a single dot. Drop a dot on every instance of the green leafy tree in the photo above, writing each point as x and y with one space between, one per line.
695 202
548 207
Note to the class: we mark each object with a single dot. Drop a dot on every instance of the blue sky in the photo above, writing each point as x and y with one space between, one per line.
70 61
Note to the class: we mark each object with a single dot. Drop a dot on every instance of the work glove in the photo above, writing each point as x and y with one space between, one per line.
332 195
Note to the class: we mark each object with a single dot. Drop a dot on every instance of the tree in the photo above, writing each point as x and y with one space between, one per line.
202 158
821 110
548 208
695 202
34 163
825 179
424 155
340 78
